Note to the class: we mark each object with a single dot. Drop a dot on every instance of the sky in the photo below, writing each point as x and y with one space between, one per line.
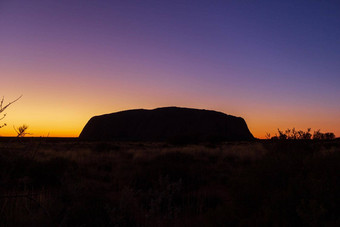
274 63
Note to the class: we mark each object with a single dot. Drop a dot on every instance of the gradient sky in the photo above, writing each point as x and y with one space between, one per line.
274 63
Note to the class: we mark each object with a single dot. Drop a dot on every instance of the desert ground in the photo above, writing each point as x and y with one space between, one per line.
69 182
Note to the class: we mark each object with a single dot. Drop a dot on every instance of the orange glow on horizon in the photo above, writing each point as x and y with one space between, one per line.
72 61
68 120
59 107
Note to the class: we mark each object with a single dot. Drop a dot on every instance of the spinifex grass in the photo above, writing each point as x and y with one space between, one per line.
74 183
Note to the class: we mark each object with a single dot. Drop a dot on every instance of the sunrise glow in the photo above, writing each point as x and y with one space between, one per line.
275 65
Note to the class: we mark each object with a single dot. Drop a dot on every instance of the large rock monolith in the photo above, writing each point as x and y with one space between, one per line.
166 124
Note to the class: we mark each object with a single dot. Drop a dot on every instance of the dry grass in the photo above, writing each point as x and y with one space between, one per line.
74 183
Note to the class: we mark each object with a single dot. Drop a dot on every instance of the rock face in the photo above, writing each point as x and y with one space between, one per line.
166 124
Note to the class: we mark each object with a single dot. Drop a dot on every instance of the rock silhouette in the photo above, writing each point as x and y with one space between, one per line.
166 124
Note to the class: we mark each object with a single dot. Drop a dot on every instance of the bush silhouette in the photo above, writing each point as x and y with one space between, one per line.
293 134
21 131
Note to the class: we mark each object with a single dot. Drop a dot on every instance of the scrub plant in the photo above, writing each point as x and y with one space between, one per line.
293 134
21 131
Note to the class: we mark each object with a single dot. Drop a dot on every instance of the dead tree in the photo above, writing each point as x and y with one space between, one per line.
3 108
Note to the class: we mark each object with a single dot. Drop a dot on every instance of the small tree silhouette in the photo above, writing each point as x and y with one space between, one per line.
21 131
267 136
306 135
282 135
329 136
317 135
3 108
292 134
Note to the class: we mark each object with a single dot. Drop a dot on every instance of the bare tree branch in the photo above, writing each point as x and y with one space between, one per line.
3 117
2 101
5 107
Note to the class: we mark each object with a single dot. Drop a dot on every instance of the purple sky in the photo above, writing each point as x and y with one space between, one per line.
275 63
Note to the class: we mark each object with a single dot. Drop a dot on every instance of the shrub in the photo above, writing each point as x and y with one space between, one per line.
292 134
21 131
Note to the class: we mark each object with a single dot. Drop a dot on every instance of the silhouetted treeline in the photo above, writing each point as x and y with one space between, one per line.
293 134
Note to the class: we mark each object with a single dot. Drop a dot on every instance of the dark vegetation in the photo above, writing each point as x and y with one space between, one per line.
293 134
50 182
